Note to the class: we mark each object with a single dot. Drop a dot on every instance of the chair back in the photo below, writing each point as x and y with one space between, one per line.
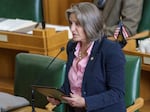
132 79
22 9
145 18
32 69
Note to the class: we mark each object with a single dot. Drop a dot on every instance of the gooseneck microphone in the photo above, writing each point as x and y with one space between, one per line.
39 78
61 50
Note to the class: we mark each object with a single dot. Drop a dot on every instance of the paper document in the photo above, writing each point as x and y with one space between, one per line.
15 24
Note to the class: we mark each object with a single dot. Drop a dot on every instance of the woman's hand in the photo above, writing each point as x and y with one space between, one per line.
75 100
53 101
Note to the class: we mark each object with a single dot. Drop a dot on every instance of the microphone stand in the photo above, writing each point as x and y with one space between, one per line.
32 101
43 18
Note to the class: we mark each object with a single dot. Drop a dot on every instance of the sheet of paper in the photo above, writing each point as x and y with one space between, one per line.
15 24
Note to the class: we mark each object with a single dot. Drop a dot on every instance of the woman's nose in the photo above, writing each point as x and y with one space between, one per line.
73 27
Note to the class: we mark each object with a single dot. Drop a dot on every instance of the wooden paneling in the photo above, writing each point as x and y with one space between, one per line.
54 10
145 85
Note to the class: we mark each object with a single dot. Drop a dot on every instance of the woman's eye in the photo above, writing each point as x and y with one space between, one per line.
78 24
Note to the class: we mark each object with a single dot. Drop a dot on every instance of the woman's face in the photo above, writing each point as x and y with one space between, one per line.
77 30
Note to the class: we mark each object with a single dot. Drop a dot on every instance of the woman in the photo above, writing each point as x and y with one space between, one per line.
95 66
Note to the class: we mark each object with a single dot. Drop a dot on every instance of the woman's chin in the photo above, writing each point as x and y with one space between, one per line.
75 39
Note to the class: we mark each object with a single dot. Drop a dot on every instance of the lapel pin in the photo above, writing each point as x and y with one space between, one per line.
92 58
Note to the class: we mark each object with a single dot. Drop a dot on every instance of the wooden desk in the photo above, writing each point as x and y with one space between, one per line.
131 49
45 42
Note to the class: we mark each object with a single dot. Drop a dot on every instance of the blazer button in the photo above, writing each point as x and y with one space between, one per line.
84 93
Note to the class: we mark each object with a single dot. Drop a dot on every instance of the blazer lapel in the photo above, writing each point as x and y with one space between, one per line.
95 50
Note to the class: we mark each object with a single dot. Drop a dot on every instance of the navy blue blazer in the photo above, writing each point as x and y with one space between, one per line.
103 85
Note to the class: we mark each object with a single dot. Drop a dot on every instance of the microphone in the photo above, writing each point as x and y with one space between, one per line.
61 50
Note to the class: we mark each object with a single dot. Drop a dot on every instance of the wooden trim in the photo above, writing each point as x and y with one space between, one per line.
139 102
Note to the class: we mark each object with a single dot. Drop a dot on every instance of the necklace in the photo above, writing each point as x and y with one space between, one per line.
80 55
83 52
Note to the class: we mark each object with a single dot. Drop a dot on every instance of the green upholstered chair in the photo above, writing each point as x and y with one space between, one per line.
145 20
22 9
32 69
144 25
132 77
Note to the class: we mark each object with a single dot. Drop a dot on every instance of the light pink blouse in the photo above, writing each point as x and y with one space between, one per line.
77 70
